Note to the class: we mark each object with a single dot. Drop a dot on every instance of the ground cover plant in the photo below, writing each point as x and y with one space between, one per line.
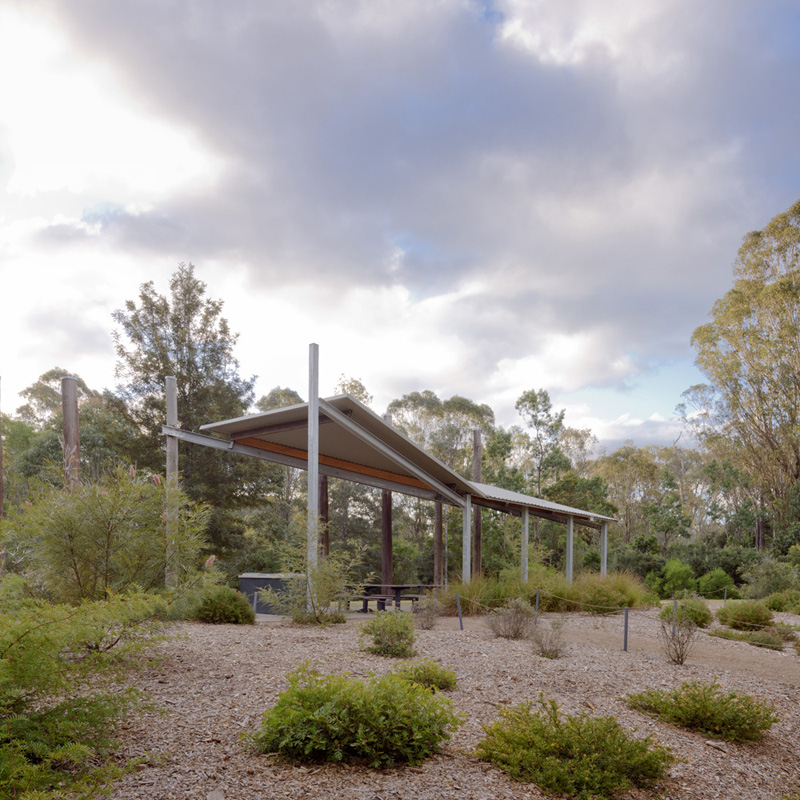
766 637
580 756
223 605
338 718
429 674
745 615
707 708
391 634
514 620
62 688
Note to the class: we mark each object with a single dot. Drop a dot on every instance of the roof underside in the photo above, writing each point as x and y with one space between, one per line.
358 445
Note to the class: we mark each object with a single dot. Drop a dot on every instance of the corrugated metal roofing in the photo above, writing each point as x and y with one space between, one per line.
375 449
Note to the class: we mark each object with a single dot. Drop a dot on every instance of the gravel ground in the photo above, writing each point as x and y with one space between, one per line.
215 682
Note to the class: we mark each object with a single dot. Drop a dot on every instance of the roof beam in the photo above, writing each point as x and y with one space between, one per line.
401 461
282 427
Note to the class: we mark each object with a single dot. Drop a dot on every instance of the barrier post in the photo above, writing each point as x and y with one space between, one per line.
460 620
625 641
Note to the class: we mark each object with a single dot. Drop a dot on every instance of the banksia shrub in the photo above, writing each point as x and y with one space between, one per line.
392 634
745 615
221 605
694 609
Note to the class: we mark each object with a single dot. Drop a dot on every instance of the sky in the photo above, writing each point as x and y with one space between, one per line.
477 198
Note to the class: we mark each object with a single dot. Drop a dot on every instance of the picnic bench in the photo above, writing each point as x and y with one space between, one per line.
382 594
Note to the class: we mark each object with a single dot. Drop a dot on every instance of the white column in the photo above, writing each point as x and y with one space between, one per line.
604 550
523 560
170 572
312 543
466 540
569 549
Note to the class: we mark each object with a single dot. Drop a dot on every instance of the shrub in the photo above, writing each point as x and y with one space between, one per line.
429 674
767 637
60 697
392 634
382 720
678 638
105 537
601 598
580 756
223 605
706 708
513 621
745 615
678 577
714 583
427 611
695 609
787 600
770 576
548 639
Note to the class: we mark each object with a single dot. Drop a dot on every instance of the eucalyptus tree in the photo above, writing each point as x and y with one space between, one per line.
750 353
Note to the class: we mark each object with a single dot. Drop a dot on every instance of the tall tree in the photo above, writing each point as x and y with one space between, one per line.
750 353
546 427
185 335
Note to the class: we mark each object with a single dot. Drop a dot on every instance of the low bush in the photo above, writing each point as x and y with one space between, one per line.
767 637
60 693
380 721
548 637
513 621
427 611
745 615
600 598
579 756
391 632
787 600
695 609
429 674
678 638
706 708
222 605
715 583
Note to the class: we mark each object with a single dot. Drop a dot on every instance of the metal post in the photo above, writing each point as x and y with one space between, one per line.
313 459
604 550
72 439
625 640
569 548
170 573
387 570
477 529
438 538
458 605
523 558
466 540
674 614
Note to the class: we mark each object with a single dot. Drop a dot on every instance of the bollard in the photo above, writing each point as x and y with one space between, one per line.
674 615
725 596
460 620
536 615
625 640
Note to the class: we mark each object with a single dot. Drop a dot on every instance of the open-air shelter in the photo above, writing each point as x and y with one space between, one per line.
340 437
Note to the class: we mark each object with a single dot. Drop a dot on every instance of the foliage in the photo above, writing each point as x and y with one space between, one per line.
185 336
224 605
706 708
579 756
105 537
744 615
694 609
772 638
677 638
381 721
60 698
429 674
748 352
600 598
392 634
714 583
427 611
769 576
514 620
548 637
787 600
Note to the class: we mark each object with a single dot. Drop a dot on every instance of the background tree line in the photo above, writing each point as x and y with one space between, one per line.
724 496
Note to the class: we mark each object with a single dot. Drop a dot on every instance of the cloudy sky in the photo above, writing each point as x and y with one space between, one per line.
477 198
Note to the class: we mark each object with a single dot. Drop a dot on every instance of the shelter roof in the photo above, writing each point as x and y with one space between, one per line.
358 445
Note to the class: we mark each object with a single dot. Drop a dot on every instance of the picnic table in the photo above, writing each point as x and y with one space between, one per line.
382 593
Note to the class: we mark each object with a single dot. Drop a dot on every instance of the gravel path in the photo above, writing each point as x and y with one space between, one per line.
215 682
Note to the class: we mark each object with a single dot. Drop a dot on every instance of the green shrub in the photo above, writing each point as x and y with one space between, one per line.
745 615
714 583
513 621
770 576
787 600
600 598
429 674
579 756
108 536
692 608
392 634
706 708
677 577
766 637
60 696
381 721
222 605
